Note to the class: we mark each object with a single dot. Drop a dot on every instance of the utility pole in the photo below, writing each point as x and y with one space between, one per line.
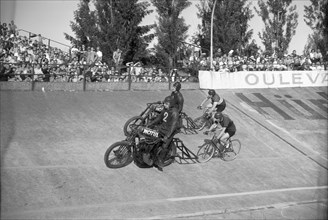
211 55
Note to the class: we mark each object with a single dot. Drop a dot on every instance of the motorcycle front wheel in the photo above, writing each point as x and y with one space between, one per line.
118 155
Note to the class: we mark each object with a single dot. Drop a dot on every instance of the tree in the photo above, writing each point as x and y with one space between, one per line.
229 25
170 30
112 25
316 18
280 20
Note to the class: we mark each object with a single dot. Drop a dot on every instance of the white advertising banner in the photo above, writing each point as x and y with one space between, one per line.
262 79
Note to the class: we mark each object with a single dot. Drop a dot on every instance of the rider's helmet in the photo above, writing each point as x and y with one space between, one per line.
177 86
218 116
211 92
168 99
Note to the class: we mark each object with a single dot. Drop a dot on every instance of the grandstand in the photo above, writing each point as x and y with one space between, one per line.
23 53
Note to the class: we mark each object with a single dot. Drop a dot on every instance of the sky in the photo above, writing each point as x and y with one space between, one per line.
51 18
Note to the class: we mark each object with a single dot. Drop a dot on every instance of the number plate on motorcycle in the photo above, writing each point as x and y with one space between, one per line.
150 132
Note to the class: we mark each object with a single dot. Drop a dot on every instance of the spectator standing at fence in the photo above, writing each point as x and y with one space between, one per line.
117 57
4 72
38 74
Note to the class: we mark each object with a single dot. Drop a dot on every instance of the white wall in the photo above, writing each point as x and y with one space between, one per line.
262 79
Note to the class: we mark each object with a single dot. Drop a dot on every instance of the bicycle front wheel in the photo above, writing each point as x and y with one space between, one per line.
205 152
232 151
200 123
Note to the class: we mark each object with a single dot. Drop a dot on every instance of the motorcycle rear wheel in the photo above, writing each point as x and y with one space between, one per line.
136 120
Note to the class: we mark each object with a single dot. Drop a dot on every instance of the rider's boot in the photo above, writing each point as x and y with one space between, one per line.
161 158
146 159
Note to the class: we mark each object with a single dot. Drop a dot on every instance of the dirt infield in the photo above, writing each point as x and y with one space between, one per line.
53 143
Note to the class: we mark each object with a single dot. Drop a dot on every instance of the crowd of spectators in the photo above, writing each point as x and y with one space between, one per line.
25 58
233 62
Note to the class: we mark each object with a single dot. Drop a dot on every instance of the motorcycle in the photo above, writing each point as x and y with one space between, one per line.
150 113
140 140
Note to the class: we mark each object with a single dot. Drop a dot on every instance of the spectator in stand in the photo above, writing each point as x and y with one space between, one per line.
4 29
99 55
218 53
43 59
294 54
91 56
297 62
74 51
12 27
318 56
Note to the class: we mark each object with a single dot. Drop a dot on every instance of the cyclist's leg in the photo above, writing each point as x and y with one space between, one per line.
209 105
224 138
227 135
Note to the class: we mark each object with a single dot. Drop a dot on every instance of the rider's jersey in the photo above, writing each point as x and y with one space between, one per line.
168 120
227 123
216 98
178 100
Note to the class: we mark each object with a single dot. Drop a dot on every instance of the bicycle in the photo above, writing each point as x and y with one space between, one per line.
213 148
204 120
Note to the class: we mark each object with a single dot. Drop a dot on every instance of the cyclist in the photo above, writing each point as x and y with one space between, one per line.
217 104
178 97
167 123
228 128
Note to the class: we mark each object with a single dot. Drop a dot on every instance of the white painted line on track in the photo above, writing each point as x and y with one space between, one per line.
246 193
238 210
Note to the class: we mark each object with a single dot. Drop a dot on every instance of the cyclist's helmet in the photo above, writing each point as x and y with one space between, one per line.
218 116
177 86
211 92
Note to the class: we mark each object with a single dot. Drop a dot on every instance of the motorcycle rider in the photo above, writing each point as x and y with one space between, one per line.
178 97
167 123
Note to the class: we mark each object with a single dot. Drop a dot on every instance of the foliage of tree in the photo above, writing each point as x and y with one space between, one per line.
170 30
113 24
316 17
230 25
280 20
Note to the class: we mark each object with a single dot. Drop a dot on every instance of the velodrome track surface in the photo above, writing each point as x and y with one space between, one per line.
52 147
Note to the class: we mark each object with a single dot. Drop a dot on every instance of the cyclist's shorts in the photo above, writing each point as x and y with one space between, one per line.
221 107
231 132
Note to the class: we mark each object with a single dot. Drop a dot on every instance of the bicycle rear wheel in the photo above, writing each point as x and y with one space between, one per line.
205 152
232 151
